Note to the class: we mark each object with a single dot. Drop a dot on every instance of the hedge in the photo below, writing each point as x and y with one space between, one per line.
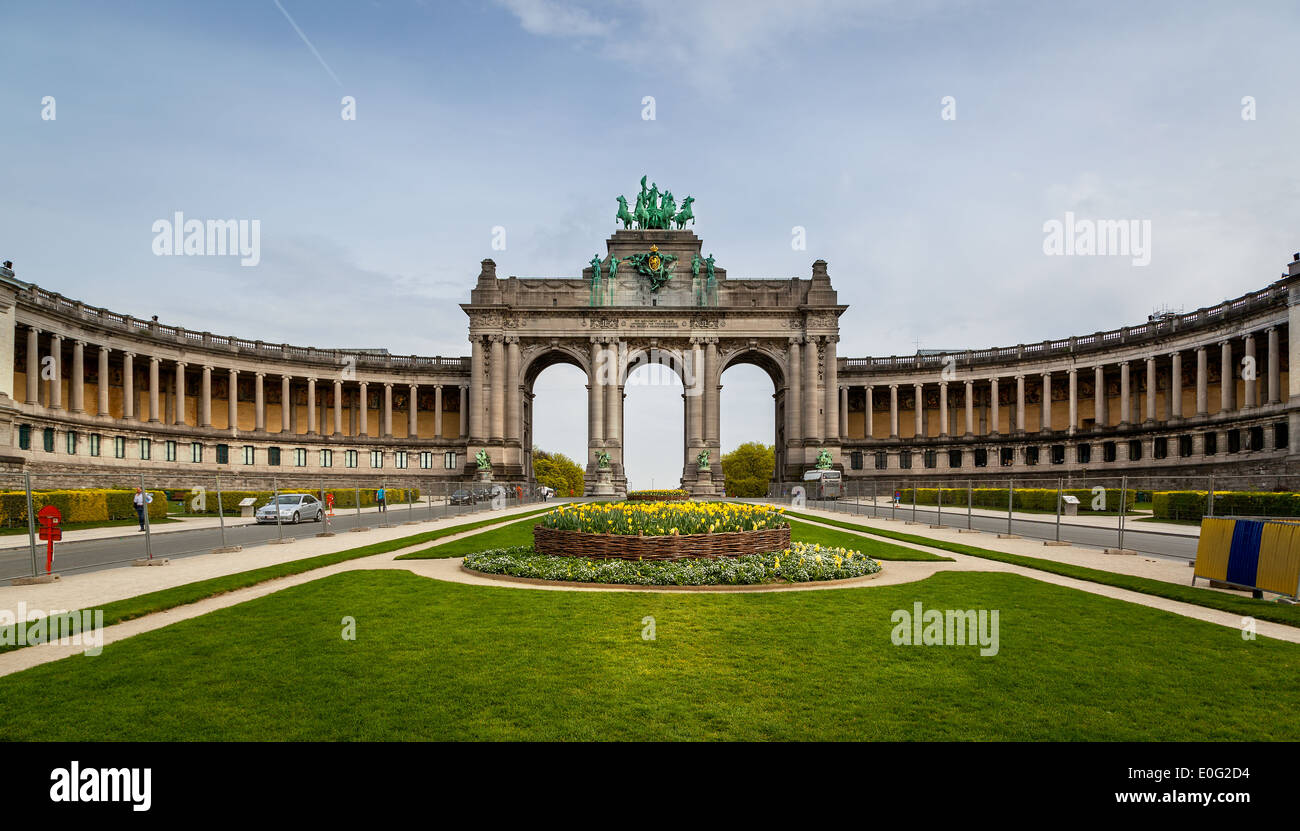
1193 504
86 505
343 498
1026 499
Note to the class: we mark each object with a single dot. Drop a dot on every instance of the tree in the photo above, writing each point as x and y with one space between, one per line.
558 471
748 469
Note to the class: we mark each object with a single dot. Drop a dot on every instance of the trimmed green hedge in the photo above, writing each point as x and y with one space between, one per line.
1026 499
343 498
1193 504
83 505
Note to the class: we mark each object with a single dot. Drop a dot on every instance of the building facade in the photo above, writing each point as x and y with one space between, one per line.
95 390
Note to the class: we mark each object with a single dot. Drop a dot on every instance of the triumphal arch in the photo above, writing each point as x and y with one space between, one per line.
656 297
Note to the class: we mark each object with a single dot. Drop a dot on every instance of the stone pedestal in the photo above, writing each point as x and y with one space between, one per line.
604 485
703 484
484 476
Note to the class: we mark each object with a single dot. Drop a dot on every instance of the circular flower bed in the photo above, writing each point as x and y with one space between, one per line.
660 531
677 495
799 563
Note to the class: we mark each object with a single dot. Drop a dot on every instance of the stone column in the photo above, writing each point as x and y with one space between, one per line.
1020 404
893 411
477 385
811 417
311 406
259 402
844 413
1125 395
1099 408
832 392
102 409
286 403
993 407
437 411
1073 376
363 417
1202 381
205 399
712 389
56 384
413 417
153 391
613 401
918 411
943 409
1274 370
514 395
77 381
386 419
497 407
128 385
338 407
465 404
969 392
1227 378
1045 408
596 398
33 365
1251 386
1175 408
232 401
1151 391
793 398
180 394
869 417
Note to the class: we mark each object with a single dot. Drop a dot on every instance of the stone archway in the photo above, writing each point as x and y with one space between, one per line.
601 325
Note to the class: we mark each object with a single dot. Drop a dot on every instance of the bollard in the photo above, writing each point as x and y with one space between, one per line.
31 524
969 497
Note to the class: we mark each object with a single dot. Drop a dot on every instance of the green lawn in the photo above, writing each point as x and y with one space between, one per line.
144 604
1236 604
437 660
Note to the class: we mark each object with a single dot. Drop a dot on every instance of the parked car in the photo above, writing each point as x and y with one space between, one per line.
461 497
294 508
482 494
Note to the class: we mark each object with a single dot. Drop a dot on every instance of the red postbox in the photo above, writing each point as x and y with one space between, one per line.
51 531
329 503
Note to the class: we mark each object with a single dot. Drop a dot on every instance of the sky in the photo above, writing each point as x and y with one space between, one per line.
921 146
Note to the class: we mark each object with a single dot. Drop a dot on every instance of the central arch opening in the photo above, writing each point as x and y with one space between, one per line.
654 441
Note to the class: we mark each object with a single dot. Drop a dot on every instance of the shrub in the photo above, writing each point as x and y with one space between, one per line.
1026 499
84 505
1194 504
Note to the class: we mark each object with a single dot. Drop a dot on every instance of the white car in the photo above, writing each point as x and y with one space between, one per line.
294 508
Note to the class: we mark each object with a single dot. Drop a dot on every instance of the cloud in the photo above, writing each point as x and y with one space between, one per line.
550 18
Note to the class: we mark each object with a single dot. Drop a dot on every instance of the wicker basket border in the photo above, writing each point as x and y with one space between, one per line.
674 498
563 543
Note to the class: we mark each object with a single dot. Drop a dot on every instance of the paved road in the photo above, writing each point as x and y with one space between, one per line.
111 552
1160 543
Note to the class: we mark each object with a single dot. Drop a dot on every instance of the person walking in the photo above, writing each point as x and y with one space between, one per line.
381 496
141 500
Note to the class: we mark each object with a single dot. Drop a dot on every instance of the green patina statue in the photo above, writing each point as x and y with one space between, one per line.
824 460
685 215
653 265
653 212
483 459
623 216
602 460
595 280
703 460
